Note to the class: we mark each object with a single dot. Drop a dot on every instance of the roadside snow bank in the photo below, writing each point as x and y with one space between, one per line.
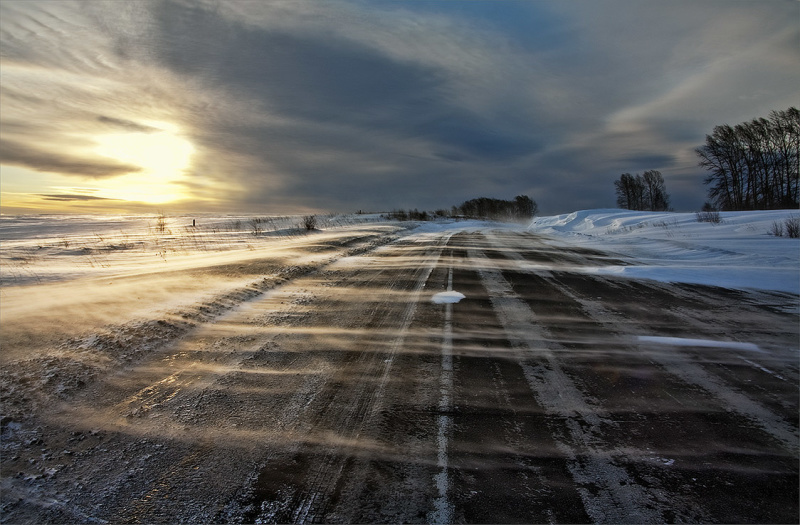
739 252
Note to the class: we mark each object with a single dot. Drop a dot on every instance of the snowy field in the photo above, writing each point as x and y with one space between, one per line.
37 249
739 252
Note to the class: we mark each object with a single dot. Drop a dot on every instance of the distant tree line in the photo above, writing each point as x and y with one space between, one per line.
754 165
414 215
522 207
642 192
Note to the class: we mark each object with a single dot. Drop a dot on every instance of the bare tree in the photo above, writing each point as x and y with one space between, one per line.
630 192
754 165
642 192
655 191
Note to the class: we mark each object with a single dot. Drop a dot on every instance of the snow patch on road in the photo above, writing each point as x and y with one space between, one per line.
704 343
448 297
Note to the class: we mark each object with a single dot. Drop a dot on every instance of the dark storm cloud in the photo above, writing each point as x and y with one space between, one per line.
353 126
315 80
67 197
466 138
127 125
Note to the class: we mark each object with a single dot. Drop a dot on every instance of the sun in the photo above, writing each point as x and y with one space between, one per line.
163 155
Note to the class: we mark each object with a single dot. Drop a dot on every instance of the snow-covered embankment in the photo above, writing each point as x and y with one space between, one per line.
738 252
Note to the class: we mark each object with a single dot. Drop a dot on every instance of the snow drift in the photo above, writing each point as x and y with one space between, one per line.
738 252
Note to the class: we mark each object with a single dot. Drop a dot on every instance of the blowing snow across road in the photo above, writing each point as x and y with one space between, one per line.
459 372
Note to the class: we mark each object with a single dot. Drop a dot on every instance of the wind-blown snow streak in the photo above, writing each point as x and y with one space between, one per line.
327 471
703 343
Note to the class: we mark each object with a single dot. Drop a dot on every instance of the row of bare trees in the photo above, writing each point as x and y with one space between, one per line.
522 207
642 192
754 165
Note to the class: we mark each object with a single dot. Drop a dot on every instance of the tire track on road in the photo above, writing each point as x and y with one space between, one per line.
674 432
505 465
678 363
609 494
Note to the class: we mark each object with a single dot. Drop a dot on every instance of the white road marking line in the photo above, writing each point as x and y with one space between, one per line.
443 512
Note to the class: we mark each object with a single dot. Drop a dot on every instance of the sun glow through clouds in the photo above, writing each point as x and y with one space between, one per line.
163 156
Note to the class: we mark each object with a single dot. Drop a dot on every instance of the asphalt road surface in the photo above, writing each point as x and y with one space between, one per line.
550 393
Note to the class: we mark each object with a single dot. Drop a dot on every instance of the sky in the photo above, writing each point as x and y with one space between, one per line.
278 107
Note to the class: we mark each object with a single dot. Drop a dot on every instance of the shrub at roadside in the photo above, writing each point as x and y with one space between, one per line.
709 216
310 222
793 227
790 226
